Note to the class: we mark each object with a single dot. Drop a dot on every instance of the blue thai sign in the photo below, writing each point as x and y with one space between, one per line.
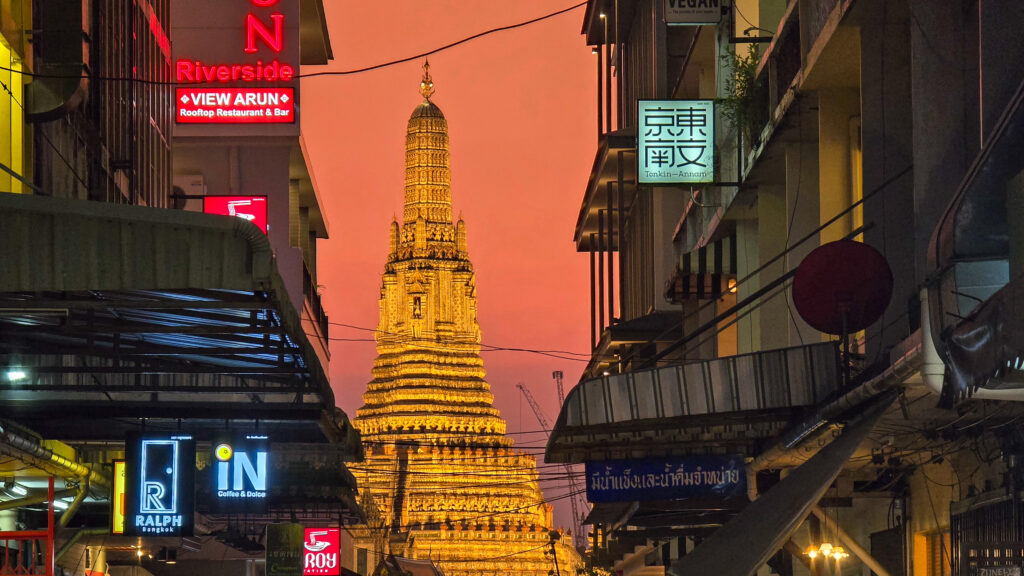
666 478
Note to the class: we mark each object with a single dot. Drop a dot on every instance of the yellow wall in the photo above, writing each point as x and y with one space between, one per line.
12 119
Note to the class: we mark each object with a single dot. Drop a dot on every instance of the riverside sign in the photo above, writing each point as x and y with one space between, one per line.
248 64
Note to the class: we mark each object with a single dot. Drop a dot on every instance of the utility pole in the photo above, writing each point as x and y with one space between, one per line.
574 488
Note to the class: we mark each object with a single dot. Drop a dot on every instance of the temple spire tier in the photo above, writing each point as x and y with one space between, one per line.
428 180
439 466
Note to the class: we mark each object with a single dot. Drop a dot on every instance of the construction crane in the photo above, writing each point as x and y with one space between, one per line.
557 375
579 539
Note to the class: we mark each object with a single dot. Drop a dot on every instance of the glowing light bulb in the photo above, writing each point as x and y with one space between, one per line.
825 549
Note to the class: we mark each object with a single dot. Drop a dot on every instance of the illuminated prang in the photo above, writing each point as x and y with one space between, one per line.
446 479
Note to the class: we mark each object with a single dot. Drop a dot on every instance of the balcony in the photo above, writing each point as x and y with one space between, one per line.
316 308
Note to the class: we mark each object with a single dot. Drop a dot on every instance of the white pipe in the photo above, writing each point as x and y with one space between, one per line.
933 371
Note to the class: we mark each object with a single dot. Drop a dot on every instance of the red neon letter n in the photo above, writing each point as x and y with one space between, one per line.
254 27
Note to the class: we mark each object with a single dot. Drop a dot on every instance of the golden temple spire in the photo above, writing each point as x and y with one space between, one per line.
427 174
437 457
427 84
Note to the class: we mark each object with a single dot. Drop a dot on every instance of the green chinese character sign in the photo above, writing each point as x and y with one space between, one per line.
676 141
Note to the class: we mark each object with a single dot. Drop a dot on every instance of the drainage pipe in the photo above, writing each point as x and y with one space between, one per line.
83 491
34 448
66 547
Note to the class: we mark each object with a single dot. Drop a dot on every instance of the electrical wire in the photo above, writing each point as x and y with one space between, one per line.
323 73
482 345
792 214
754 274
43 132
442 348
736 7
446 46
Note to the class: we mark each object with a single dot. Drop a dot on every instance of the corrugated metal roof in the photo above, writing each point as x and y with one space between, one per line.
728 392
105 303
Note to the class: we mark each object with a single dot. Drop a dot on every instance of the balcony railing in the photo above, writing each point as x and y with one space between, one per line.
316 307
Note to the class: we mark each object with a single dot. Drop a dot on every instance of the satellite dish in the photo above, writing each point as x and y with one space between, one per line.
842 287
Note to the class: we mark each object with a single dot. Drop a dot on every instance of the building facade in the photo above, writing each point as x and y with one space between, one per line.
180 262
835 120
449 483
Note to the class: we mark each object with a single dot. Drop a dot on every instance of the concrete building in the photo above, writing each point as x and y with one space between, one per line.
887 123
128 312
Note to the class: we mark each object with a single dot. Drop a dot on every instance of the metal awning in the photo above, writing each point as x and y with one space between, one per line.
110 313
723 405
614 163
704 273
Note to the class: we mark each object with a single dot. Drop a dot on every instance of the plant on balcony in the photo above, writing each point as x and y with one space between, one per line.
746 100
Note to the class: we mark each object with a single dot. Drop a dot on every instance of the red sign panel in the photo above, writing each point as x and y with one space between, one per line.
251 208
321 552
235 105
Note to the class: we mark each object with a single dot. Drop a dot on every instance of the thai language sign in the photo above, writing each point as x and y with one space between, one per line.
693 12
665 478
284 549
676 141
235 105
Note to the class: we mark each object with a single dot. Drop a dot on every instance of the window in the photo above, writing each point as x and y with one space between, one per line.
361 567
932 553
417 307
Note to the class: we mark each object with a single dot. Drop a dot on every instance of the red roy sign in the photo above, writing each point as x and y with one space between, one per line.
322 552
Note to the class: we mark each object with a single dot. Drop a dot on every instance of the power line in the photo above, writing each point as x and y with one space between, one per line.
484 348
446 46
482 345
315 74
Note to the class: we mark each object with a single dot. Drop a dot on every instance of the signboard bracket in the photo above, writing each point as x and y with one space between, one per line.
734 39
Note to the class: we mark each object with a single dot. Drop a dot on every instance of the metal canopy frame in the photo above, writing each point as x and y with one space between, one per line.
113 314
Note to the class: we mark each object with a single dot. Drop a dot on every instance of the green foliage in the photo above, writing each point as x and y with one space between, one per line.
746 102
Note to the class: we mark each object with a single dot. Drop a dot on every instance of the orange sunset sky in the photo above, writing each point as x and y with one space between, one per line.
521 114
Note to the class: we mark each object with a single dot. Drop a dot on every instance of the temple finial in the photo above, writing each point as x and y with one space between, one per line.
427 84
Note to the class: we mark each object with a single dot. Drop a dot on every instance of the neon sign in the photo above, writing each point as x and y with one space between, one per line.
240 474
321 552
235 105
160 479
197 72
251 208
264 36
